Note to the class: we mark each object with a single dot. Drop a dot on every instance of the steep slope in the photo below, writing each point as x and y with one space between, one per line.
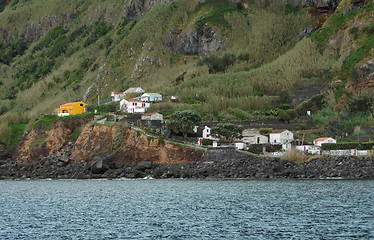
226 59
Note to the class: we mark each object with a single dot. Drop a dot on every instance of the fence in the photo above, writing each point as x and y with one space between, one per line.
104 101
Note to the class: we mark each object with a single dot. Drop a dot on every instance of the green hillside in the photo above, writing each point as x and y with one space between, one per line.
53 51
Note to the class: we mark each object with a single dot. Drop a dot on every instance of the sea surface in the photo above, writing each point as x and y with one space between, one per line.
187 209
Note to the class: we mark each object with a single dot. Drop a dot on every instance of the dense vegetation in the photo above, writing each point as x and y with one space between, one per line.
53 51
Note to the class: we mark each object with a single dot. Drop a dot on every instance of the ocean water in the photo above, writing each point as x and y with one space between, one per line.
187 209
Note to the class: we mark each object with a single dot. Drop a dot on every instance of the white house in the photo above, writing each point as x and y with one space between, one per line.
117 96
319 141
280 136
240 145
134 90
206 135
152 116
150 97
133 106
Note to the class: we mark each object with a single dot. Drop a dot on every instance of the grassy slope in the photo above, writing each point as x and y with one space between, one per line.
270 59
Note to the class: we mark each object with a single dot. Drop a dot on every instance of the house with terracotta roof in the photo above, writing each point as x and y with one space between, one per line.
319 141
133 106
71 108
117 96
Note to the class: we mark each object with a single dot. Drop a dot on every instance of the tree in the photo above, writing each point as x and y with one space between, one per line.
184 121
227 131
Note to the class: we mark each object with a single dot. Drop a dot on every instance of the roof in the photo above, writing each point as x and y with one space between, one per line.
117 92
134 100
71 103
152 94
321 139
279 130
134 89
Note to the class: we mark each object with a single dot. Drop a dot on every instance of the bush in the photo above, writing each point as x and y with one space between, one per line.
361 102
219 64
265 130
207 142
5 130
345 146
295 156
104 108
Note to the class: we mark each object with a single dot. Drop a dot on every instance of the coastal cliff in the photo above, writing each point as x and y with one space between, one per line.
123 143
117 151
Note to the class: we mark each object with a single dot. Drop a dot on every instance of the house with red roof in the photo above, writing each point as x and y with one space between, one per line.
133 106
319 141
117 96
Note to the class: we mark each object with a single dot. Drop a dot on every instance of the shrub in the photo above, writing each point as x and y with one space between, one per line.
344 146
206 142
265 130
219 64
161 141
295 156
5 130
362 102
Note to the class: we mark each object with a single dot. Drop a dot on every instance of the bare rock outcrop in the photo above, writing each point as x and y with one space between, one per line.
135 8
328 4
191 42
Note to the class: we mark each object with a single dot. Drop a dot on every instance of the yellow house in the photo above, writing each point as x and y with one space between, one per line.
71 109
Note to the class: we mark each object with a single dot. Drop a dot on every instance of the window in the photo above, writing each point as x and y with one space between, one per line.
81 105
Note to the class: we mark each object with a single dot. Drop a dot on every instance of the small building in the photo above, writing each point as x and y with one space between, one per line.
71 108
174 99
134 90
280 136
206 135
152 116
133 106
117 96
150 97
255 139
309 149
319 141
240 145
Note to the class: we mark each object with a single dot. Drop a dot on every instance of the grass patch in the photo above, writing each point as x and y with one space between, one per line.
75 134
45 122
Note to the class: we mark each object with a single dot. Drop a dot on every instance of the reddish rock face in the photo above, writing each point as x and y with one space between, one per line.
124 144
128 145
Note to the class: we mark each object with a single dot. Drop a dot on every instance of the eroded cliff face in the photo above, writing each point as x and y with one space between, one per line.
42 141
127 145
124 144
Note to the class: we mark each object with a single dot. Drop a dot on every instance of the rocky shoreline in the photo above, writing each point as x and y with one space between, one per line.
60 166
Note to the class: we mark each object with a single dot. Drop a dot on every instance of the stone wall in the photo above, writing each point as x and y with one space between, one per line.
216 154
